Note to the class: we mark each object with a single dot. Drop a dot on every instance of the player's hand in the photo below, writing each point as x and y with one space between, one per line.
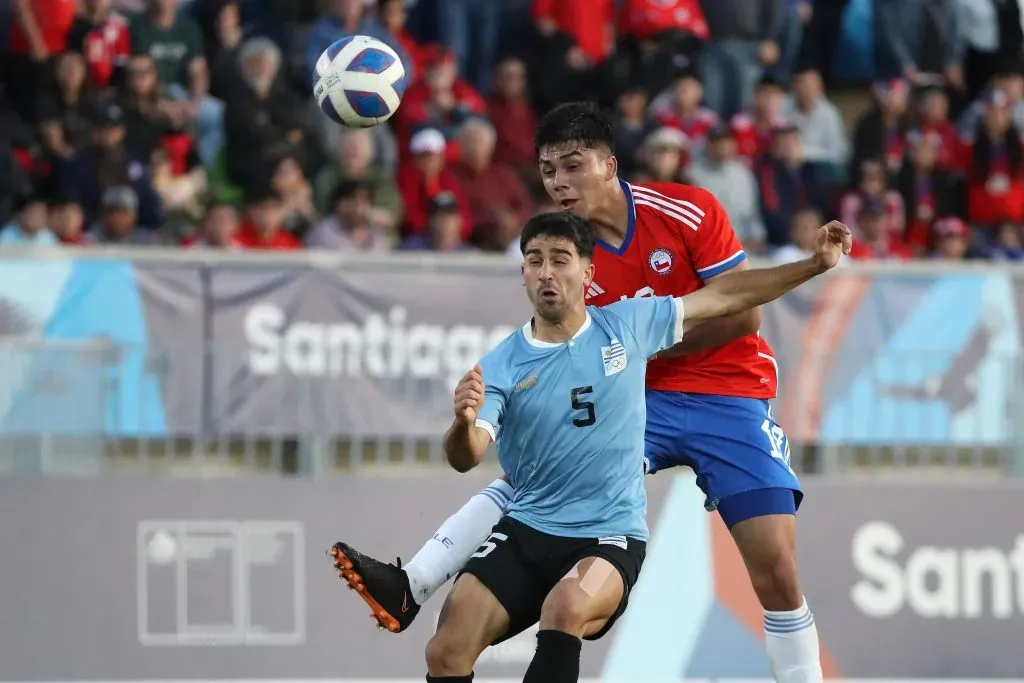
833 240
469 396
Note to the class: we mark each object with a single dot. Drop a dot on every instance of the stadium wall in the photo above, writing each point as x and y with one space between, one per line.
132 579
172 343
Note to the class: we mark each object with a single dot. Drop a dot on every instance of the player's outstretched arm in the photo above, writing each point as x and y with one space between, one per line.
465 443
735 292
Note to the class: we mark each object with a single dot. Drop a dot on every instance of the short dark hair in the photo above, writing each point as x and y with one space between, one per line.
564 225
582 123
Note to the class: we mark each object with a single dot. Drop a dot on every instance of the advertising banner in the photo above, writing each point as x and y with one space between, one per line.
163 579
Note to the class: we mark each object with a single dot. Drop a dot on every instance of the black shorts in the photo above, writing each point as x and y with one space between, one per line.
521 565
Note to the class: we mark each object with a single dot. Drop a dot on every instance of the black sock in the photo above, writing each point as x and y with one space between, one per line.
557 659
450 679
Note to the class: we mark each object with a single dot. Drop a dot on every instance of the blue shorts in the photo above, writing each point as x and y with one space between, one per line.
734 445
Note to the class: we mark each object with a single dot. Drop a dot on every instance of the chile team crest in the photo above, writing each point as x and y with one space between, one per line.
660 261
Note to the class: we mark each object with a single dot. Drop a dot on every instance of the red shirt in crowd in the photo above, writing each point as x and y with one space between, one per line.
248 237
514 123
753 140
105 45
998 196
889 249
643 19
695 127
589 22
417 191
54 19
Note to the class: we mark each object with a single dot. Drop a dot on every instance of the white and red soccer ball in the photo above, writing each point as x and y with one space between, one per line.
360 82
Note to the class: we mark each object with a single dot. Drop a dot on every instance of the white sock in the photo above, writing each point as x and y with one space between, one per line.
456 540
791 640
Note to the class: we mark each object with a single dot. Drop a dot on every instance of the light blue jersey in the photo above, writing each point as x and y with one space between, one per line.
569 418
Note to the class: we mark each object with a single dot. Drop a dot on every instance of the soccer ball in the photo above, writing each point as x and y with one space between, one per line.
360 82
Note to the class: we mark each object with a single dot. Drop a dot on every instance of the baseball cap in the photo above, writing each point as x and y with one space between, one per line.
108 113
120 197
443 202
666 137
428 140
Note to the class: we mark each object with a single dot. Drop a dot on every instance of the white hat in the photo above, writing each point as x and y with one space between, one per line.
428 140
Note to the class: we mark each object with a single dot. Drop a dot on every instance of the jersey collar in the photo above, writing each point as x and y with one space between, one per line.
528 334
630 222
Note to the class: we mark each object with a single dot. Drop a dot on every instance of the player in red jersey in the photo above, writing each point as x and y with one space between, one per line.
707 398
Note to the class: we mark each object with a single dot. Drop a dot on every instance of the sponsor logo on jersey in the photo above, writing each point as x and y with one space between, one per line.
593 290
614 358
661 261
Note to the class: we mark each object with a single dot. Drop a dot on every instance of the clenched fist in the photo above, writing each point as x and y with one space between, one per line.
469 396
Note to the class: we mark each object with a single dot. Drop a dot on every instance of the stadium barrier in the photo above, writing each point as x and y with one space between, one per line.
314 362
159 578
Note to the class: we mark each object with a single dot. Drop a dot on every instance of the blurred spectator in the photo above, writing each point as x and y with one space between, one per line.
426 177
64 113
296 192
659 36
392 16
118 221
263 225
39 32
150 114
873 185
180 193
821 127
441 101
222 48
992 33
919 36
66 220
1009 243
754 129
1009 81
107 162
792 33
351 225
881 131
470 29
354 161
952 240
574 39
933 119
345 18
218 229
803 235
29 226
661 155
498 201
821 34
719 171
445 228
513 118
681 108
174 42
875 241
263 118
788 183
632 124
743 44
927 189
992 160
103 37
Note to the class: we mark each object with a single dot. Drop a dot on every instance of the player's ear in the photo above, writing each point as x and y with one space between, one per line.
611 167
522 271
588 273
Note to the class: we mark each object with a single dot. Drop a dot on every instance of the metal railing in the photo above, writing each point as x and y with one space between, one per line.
83 407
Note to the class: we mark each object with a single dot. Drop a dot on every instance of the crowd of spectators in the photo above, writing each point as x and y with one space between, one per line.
191 122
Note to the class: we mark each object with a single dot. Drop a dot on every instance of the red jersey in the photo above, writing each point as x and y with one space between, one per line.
752 141
678 237
53 18
105 44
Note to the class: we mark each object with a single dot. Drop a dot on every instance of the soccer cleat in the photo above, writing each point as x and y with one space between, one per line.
384 587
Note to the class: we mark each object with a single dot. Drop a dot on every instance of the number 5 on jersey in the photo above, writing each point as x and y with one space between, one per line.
588 406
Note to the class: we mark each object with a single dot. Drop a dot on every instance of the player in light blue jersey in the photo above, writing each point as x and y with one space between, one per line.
563 399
